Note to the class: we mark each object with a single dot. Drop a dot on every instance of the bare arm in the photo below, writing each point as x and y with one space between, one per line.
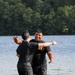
16 40
50 55
46 44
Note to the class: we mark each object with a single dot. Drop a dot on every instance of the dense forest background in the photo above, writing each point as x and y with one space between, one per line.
53 17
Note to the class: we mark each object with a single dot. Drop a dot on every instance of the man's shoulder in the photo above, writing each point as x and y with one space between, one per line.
42 41
33 40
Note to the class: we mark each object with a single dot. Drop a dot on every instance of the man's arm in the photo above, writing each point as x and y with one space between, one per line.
16 40
50 55
46 44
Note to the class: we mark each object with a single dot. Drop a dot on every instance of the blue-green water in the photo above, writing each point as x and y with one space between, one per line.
64 55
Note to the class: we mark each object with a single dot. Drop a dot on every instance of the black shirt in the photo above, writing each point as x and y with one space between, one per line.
39 56
24 51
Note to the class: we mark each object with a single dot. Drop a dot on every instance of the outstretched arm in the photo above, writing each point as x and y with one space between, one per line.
16 40
47 44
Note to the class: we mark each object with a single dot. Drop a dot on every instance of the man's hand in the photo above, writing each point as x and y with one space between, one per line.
54 42
15 37
16 40
50 61
17 55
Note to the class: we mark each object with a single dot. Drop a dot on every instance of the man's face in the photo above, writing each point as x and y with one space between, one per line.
38 36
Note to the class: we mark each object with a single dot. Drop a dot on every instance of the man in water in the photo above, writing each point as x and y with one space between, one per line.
39 63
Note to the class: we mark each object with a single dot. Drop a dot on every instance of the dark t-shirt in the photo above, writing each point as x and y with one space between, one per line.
24 50
39 57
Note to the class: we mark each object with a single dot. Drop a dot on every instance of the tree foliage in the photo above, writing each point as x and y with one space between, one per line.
55 17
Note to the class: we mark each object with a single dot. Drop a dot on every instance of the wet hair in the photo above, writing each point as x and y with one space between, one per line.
25 34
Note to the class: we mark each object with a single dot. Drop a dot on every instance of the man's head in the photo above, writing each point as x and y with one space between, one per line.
38 35
25 35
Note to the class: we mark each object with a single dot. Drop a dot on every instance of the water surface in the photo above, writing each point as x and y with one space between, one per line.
64 55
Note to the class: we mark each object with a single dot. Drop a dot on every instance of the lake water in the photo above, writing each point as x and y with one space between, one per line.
64 55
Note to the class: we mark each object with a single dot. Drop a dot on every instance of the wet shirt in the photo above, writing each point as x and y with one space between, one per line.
39 56
24 51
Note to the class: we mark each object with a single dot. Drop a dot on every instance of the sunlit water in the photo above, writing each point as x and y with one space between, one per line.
64 55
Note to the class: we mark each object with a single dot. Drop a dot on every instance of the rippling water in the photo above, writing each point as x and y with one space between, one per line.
64 55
